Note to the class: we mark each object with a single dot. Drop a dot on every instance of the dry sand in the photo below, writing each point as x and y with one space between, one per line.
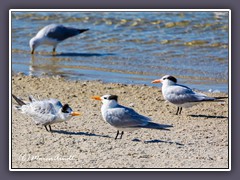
199 138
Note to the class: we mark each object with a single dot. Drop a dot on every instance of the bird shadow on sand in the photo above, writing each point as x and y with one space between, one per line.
158 141
79 133
207 116
83 54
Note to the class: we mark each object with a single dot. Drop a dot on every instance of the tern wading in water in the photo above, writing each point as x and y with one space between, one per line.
52 35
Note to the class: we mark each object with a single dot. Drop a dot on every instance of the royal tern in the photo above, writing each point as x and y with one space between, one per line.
52 35
180 95
46 112
124 118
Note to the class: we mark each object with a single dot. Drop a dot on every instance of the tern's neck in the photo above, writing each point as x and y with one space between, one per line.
109 104
35 39
35 42
167 83
106 106
63 116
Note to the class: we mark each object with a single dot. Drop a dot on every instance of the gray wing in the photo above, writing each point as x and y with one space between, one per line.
42 112
60 32
179 94
124 117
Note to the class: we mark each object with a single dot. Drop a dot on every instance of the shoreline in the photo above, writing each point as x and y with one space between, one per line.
195 87
199 138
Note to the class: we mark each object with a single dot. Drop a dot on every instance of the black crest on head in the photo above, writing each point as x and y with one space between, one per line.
111 97
172 79
65 108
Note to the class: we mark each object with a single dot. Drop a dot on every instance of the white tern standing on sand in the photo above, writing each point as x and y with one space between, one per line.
46 112
124 118
52 35
180 95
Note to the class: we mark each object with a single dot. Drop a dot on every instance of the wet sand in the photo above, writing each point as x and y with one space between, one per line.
199 138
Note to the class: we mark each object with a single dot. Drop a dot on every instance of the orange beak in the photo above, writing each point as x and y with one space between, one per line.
157 81
75 113
97 98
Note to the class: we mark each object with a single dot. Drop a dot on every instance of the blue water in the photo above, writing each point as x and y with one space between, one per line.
129 47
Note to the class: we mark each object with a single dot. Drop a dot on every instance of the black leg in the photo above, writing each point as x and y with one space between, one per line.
50 128
117 134
46 127
177 110
121 135
54 51
180 110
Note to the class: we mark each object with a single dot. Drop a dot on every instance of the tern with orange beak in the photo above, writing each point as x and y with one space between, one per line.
52 35
180 95
124 118
45 112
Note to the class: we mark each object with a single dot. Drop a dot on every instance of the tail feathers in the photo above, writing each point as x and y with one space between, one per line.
207 99
216 99
220 98
82 30
152 125
20 102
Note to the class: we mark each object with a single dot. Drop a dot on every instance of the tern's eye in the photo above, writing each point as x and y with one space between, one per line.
104 98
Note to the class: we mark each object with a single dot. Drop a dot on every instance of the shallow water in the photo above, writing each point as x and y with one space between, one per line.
129 47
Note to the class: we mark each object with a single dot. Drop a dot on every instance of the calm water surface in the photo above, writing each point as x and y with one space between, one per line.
129 47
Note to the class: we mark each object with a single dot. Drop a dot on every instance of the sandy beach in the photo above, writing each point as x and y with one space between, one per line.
199 138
